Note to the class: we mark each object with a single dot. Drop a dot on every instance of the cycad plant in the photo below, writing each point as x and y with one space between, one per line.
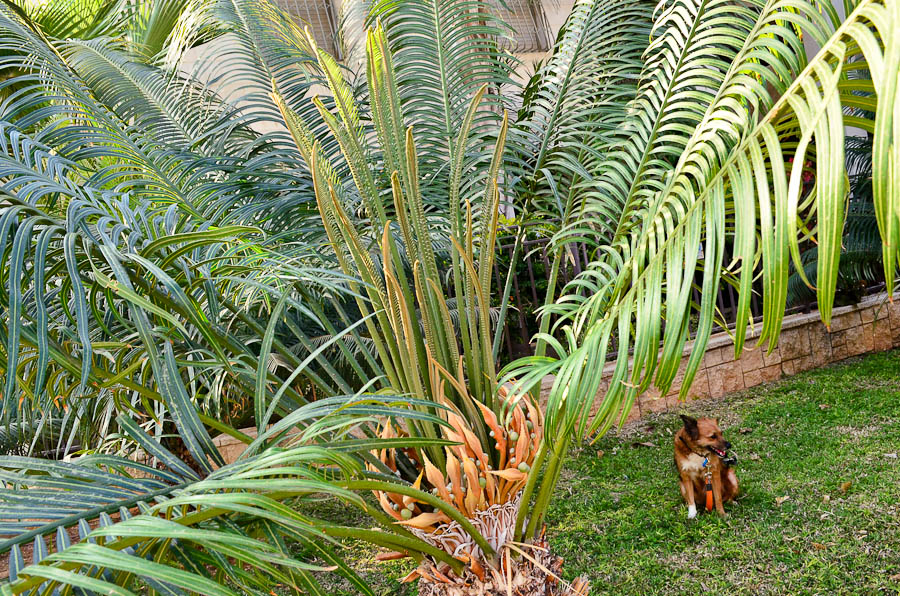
712 153
163 257
496 439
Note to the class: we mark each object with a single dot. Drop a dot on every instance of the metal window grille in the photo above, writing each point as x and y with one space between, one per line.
529 22
320 16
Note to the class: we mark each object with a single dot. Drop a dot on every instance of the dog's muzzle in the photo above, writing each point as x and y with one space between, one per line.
716 451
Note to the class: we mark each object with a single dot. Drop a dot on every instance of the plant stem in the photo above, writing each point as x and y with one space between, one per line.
548 300
504 303
527 492
547 487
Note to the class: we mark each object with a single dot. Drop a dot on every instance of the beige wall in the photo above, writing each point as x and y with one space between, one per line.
555 10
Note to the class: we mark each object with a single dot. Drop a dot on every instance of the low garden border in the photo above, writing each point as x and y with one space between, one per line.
872 325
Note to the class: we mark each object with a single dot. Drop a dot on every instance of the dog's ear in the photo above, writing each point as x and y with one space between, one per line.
691 425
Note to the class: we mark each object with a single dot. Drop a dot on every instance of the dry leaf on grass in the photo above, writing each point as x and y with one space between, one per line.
780 500
845 486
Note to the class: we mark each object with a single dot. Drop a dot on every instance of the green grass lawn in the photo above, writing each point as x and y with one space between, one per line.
798 526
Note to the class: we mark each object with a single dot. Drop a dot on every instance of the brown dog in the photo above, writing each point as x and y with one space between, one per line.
700 450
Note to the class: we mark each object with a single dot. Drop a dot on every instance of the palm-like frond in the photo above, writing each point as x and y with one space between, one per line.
443 52
83 19
574 108
695 49
861 264
577 101
120 524
152 26
97 287
125 191
168 109
734 162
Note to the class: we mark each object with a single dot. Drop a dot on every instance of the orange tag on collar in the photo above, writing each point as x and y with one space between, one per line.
709 499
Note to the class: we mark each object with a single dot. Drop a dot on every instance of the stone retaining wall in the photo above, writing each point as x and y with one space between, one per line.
805 343
870 326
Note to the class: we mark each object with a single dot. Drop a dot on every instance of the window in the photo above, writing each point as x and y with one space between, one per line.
529 23
321 18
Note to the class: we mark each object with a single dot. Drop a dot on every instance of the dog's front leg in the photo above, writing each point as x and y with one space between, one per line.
687 491
717 492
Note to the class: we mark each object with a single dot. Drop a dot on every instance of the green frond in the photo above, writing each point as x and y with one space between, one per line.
443 53
114 524
739 161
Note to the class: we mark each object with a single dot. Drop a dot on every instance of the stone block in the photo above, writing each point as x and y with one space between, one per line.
700 386
805 363
770 359
788 368
771 373
838 353
838 338
794 343
881 311
678 379
634 414
725 378
894 317
762 375
652 400
751 359
845 321
820 344
717 356
651 404
881 334
860 340
867 315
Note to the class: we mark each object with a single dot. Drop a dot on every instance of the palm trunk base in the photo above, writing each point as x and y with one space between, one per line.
535 574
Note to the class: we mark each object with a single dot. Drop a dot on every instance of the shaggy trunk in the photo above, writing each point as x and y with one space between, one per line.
535 573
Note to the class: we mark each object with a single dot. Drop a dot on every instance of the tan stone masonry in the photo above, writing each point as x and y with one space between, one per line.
870 326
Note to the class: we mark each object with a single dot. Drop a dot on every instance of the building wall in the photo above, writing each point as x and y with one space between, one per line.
555 11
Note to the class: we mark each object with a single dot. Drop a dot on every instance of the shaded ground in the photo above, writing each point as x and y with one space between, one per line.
819 513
